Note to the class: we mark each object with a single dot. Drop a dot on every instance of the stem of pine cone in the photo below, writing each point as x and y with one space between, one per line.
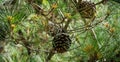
67 24
50 54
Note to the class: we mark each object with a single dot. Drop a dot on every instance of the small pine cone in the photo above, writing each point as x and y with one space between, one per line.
1 49
61 42
86 9
4 30
2 34
54 29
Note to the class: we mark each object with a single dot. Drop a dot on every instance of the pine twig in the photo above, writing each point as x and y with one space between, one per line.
50 54
67 24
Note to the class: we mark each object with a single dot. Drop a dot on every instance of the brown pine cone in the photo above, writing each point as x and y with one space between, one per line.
61 42
86 9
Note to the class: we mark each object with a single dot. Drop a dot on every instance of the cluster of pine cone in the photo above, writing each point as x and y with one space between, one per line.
61 41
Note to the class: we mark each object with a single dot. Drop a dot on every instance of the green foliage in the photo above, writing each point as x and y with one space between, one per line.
25 28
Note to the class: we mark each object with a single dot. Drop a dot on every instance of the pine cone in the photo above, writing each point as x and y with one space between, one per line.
3 31
86 9
61 42
53 29
2 35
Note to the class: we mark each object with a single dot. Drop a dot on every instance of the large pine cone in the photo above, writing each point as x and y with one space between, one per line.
86 9
61 42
